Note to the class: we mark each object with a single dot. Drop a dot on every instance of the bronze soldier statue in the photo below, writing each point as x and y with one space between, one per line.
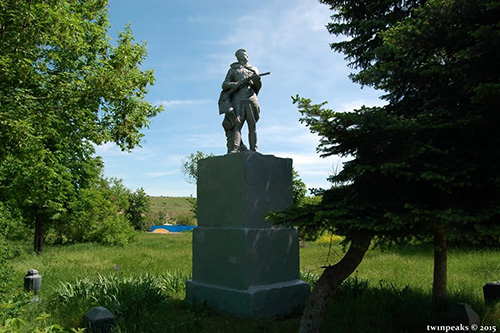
239 104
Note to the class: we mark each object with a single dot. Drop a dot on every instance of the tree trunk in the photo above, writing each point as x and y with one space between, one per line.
330 280
440 266
39 222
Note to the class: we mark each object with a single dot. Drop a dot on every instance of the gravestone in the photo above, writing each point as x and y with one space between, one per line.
242 265
461 313
98 320
33 282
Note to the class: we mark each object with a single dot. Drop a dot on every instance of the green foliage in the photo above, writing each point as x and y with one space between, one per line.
427 157
453 95
303 216
299 188
190 165
161 215
184 219
43 324
98 215
12 298
309 277
193 205
63 89
151 253
364 21
139 205
173 210
132 299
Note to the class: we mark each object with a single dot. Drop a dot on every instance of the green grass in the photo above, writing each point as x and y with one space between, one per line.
390 292
395 285
149 253
412 265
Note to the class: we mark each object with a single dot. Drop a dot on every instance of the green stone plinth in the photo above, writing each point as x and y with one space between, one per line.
256 302
241 264
237 190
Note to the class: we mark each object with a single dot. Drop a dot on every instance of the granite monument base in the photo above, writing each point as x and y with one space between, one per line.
242 265
255 302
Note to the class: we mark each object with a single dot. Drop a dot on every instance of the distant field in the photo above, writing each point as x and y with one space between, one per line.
174 210
170 204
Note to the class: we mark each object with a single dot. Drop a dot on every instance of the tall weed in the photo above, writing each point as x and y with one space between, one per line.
131 299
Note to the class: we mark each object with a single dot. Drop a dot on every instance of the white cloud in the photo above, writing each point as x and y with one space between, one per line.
110 149
292 133
171 160
176 103
357 104
277 33
313 169
160 174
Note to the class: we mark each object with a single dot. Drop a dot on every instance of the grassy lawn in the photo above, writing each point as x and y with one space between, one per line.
149 253
390 292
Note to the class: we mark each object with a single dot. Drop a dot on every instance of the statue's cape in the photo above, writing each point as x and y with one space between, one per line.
225 102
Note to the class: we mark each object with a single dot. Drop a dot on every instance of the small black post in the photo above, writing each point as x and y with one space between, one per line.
491 292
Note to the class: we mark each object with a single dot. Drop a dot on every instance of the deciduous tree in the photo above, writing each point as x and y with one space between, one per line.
64 88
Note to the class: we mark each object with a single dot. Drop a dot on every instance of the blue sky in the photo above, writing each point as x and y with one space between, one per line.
191 44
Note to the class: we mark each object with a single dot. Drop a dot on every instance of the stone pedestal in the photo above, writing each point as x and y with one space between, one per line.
241 264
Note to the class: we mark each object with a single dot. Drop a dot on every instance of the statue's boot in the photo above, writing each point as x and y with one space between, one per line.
236 141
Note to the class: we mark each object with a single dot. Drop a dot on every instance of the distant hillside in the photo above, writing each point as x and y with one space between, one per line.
174 210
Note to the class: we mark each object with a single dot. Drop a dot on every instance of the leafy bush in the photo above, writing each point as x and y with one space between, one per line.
139 205
114 230
185 219
328 238
175 283
12 298
309 277
98 216
131 299
193 205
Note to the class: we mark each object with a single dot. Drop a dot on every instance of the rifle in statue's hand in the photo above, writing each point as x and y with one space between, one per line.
225 95
263 74
244 82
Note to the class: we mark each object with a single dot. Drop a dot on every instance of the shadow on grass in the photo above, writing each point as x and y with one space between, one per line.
145 304
178 316
359 306
362 306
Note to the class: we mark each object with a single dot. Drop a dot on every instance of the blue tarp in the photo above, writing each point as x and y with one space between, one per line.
173 228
